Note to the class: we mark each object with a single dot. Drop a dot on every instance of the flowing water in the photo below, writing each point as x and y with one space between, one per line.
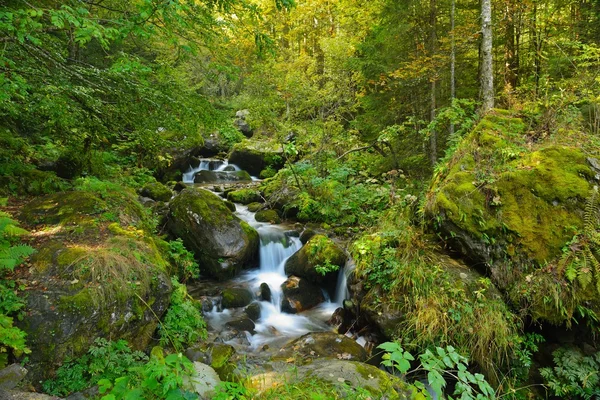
277 244
210 164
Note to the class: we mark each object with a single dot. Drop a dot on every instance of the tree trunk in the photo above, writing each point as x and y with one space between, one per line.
452 60
487 72
433 134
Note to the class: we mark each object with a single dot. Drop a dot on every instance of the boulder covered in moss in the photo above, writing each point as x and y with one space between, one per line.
269 216
222 243
91 277
317 345
299 295
156 191
318 261
236 297
244 196
255 156
255 206
517 208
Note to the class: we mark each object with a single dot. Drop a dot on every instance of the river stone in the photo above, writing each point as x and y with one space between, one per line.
264 292
203 381
253 311
340 320
222 243
319 251
270 216
221 359
11 376
306 235
316 345
299 295
236 297
242 324
221 176
230 205
244 196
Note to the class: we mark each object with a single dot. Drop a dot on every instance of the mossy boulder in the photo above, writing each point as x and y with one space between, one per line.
514 207
244 196
221 359
222 243
221 176
108 280
318 261
331 376
318 345
299 295
255 156
156 191
236 297
255 206
269 216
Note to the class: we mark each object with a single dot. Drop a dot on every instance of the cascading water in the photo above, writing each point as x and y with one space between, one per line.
210 164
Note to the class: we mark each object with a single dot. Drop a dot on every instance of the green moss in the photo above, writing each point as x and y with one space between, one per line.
156 191
83 301
244 196
268 216
254 207
221 361
251 233
209 207
63 209
321 250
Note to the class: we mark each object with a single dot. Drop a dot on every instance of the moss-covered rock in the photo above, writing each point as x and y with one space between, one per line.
270 216
332 376
255 156
317 345
318 261
236 297
107 281
254 207
514 209
156 191
222 243
244 196
221 356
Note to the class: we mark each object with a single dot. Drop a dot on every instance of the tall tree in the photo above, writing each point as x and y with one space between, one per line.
487 72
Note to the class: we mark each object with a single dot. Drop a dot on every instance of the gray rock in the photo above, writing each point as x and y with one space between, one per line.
11 376
265 292
299 295
221 176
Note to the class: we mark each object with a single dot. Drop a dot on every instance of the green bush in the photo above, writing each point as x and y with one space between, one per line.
575 376
183 323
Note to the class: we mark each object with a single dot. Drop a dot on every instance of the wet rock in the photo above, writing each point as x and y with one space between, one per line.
253 311
213 146
11 376
264 292
319 251
306 235
230 205
221 176
222 243
242 324
236 297
292 233
340 320
156 191
270 216
316 345
300 295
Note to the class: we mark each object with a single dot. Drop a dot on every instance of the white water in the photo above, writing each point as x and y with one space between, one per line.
210 164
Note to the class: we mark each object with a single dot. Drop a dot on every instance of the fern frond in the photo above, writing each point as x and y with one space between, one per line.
12 256
590 221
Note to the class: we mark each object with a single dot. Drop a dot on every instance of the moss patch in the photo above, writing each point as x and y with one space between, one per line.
244 196
270 216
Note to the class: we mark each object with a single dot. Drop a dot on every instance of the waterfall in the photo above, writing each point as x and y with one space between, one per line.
208 164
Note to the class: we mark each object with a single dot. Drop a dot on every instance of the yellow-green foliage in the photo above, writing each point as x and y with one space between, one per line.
439 301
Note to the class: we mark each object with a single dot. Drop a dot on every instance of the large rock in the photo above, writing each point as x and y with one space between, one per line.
91 278
255 156
156 191
203 381
318 252
317 345
222 243
221 176
343 376
516 212
299 295
241 124
236 297
244 196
